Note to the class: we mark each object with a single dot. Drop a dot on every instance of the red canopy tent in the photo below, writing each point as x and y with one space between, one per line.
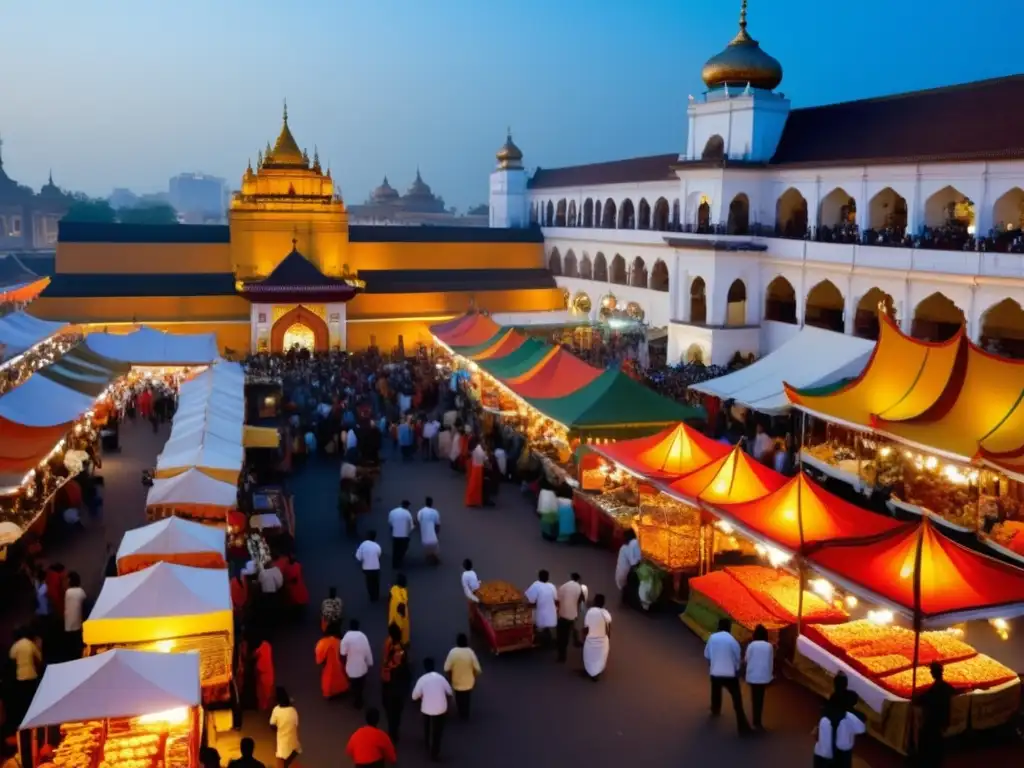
732 478
916 570
676 451
801 514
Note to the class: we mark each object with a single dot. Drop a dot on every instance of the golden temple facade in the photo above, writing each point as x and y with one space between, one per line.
288 261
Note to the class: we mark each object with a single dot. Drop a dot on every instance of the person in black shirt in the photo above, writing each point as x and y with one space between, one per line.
935 705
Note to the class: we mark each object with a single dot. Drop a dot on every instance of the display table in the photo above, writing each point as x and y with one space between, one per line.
594 525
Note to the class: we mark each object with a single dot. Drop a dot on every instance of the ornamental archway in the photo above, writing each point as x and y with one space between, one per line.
301 317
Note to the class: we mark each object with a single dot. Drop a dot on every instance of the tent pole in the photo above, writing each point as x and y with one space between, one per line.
912 720
803 441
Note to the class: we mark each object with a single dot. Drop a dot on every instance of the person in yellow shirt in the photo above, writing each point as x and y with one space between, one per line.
463 668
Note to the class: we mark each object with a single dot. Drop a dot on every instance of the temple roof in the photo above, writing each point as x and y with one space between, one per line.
298 275
286 150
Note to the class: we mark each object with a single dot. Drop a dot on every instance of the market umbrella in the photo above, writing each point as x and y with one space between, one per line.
735 477
666 455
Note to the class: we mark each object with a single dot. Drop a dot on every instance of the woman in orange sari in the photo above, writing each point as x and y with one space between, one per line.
266 689
295 589
475 476
333 681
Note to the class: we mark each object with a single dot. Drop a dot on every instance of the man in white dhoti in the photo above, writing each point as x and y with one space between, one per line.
597 632
544 597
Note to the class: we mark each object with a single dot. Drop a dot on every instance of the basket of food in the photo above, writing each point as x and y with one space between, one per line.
503 617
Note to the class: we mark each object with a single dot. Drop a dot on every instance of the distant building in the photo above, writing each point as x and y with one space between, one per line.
418 206
28 221
198 198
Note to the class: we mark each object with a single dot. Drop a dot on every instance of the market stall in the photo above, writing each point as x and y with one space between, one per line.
192 494
503 617
20 331
172 540
123 709
169 609
217 458
148 346
917 597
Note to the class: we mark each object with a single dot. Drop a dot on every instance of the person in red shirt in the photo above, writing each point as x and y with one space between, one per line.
370 747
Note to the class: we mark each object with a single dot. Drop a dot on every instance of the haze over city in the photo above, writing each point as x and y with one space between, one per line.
116 94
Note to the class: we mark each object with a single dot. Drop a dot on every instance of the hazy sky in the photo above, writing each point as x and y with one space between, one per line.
127 93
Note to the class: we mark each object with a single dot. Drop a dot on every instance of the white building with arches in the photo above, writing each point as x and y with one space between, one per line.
770 217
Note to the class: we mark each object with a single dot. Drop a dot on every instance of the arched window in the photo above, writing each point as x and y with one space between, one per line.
887 212
865 322
661 215
739 215
571 220
534 219
643 216
638 274
936 318
627 215
601 268
618 271
1008 212
780 301
949 207
659 276
588 213
698 302
555 262
736 304
837 209
569 267
704 215
608 214
549 218
1002 329
824 308
677 218
714 149
586 268
560 214
791 214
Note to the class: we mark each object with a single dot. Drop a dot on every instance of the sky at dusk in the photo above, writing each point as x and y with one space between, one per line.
121 93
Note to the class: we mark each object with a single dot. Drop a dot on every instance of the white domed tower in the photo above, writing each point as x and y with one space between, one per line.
508 208
740 117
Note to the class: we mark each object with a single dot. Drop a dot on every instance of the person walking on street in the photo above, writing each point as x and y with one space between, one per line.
401 524
572 596
398 606
394 677
285 718
626 578
248 748
369 746
355 651
432 691
597 633
463 667
368 556
725 657
74 609
429 520
760 663
544 597
935 705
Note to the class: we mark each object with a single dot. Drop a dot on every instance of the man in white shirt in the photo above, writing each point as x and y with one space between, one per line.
725 657
432 691
351 441
430 526
431 429
401 523
763 444
839 727
597 630
760 666
571 596
358 658
501 459
625 569
470 581
544 597
74 607
368 556
271 579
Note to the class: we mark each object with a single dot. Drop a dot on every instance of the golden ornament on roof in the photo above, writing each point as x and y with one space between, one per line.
742 63
509 155
286 151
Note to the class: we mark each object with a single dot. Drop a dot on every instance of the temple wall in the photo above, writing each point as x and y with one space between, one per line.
368 306
375 256
149 309
143 258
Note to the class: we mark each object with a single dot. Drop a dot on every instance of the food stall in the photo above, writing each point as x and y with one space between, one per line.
123 709
915 597
169 609
193 495
503 617
172 540
220 459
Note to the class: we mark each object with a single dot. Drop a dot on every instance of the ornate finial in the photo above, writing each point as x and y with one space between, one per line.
305 157
316 159
508 132
743 19
259 159
1 151
267 152
51 177
286 100
295 244
248 168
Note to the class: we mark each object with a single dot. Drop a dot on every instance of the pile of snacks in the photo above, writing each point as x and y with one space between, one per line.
176 751
884 653
720 590
133 750
955 503
830 452
883 470
669 534
1009 534
779 592
499 593
79 744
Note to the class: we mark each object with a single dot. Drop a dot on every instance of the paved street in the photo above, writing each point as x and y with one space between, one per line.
649 709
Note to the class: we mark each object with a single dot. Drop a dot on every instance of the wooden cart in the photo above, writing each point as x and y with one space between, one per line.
505 627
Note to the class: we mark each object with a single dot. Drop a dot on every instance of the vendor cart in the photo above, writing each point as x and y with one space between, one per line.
505 627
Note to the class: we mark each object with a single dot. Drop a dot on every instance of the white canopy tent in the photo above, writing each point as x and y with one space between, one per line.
173 535
119 683
195 429
42 402
813 358
225 405
148 346
218 459
191 487
209 446
19 332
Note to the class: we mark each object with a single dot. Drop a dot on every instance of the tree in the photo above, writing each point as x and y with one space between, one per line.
479 210
158 213
95 211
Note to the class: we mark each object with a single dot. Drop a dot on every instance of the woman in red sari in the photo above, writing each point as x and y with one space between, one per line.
333 680
263 663
475 476
295 589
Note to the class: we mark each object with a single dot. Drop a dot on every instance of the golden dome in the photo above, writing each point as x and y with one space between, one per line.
742 63
509 156
286 151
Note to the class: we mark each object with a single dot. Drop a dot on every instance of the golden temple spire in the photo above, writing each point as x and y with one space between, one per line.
286 100
286 150
259 159
316 159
